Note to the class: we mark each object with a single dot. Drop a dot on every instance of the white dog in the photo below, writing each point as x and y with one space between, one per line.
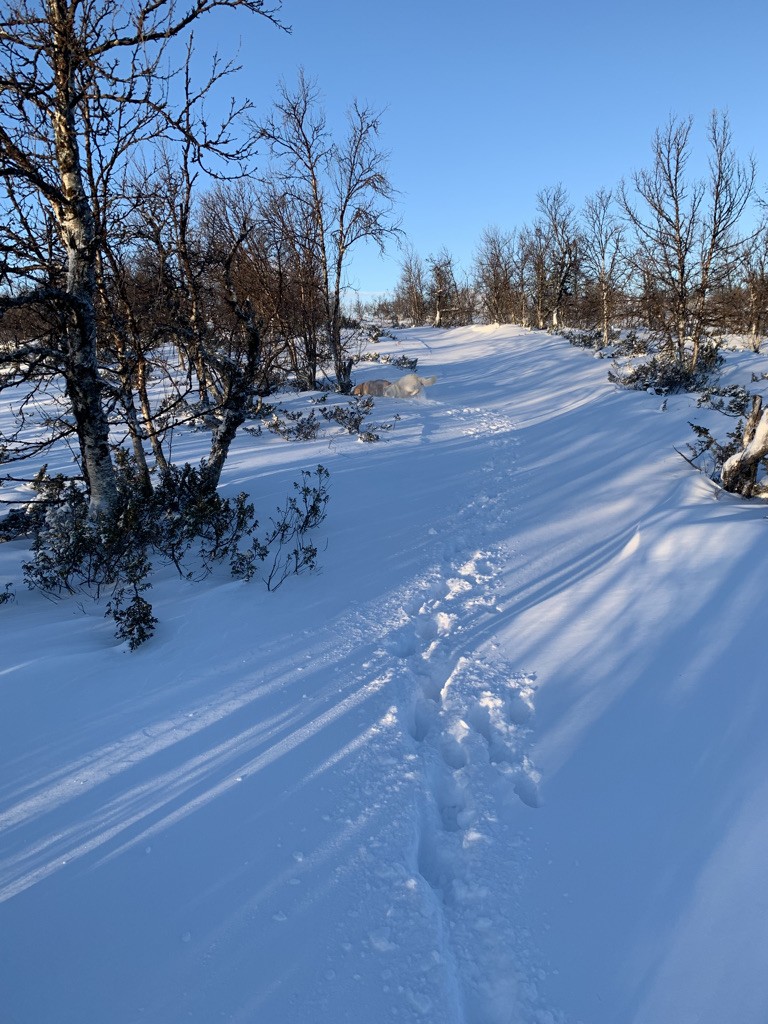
371 387
408 386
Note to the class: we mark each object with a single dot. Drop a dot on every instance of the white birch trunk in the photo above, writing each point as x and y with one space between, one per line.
739 471
78 235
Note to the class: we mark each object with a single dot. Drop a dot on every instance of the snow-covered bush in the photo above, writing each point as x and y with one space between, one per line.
583 339
666 375
293 425
350 415
78 552
184 521
401 362
287 549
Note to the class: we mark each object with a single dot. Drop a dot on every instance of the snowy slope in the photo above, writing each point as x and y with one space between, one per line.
501 762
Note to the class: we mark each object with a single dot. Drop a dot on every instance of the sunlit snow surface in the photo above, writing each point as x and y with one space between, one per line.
503 761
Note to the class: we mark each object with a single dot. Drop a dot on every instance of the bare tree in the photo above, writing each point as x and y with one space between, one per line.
292 295
603 253
442 287
84 84
520 271
686 231
534 264
559 237
410 299
341 193
453 301
494 272
754 277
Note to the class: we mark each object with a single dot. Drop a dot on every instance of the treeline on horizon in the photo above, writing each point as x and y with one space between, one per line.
685 259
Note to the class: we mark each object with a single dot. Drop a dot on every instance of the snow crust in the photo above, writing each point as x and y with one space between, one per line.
502 761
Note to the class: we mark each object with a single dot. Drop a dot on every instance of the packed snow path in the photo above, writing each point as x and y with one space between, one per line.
501 762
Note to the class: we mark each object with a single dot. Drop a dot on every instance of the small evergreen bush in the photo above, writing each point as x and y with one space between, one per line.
706 443
401 362
294 426
349 415
352 415
665 375
184 522
583 339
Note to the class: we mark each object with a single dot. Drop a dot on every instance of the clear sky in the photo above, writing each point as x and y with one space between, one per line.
486 103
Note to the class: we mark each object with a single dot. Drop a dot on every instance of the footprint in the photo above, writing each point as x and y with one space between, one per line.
479 718
518 709
433 685
433 864
457 588
424 717
478 568
453 802
527 786
454 754
426 628
405 643
486 716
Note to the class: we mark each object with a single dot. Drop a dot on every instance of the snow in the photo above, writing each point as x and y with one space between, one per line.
502 761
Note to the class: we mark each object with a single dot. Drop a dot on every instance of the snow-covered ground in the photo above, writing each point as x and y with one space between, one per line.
502 761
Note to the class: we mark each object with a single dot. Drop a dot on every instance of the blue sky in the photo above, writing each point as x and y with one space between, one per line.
488 103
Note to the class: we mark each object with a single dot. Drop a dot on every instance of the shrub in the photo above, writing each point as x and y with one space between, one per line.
583 339
76 552
287 548
351 416
706 443
184 522
733 400
402 362
294 426
630 344
664 375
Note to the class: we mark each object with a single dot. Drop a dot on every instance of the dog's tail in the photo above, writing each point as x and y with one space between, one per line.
427 382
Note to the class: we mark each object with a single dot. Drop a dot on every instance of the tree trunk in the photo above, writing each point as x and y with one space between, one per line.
135 432
342 365
606 316
233 410
83 383
78 234
237 387
146 412
739 472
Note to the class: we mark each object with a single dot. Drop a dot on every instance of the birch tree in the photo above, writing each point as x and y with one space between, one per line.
410 298
559 235
341 191
80 78
603 252
452 300
494 273
754 276
686 230
739 472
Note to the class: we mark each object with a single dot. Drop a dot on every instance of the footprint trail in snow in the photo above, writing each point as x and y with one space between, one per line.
441 928
468 714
